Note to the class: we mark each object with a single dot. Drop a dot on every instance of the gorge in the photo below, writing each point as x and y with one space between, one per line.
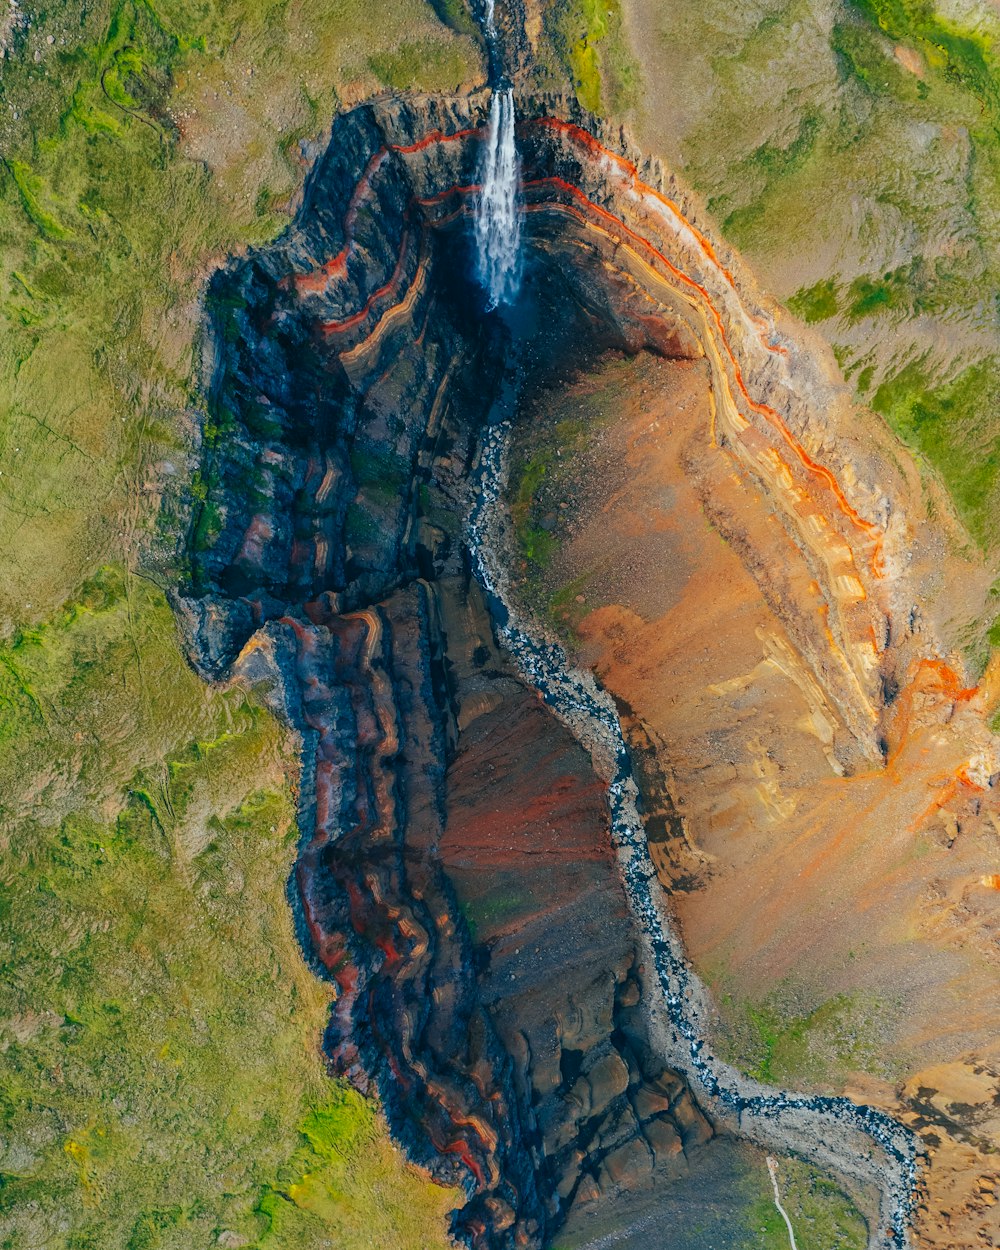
474 874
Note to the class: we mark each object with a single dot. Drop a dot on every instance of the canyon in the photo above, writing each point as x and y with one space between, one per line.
474 876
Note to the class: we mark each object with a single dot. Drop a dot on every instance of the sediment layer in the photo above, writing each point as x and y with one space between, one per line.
351 372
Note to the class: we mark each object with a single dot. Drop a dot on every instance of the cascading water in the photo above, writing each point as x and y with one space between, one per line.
498 219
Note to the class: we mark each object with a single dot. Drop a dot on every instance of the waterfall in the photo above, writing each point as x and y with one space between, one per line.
498 221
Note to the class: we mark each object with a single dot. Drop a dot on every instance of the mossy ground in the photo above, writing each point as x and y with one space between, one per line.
161 1082
823 1217
588 47
142 144
161 1076
553 460
851 151
791 1039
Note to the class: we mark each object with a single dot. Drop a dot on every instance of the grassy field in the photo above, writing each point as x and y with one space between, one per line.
584 44
142 144
160 1072
823 1217
850 149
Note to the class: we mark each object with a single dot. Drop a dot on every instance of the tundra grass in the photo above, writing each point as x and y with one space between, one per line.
943 422
589 41
852 152
791 1039
161 1083
823 1217
141 145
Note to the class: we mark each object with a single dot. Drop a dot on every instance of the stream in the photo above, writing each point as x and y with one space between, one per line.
859 1142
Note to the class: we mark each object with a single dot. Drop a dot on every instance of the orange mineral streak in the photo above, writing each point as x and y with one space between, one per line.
927 677
336 267
817 470
947 680
317 281
992 882
631 172
330 328
954 786
435 136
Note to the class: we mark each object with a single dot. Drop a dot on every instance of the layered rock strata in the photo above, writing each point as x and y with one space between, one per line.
351 372
350 376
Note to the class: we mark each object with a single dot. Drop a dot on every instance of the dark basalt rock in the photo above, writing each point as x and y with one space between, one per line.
456 880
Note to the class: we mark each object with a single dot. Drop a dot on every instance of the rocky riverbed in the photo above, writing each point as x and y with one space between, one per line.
353 373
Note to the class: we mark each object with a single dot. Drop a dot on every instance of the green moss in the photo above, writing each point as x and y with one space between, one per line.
494 909
589 39
380 473
816 303
777 161
457 15
950 425
343 1186
97 330
159 1032
159 1037
32 190
823 1217
964 56
895 290
445 65
565 610
782 1043
865 57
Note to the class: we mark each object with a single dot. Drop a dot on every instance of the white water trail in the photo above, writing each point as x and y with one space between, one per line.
498 217
491 29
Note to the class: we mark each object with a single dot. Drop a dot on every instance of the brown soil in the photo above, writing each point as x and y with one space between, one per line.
797 865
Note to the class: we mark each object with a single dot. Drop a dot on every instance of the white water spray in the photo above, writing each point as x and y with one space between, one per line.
498 219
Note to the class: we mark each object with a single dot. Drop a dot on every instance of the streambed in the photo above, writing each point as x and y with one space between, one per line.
861 1143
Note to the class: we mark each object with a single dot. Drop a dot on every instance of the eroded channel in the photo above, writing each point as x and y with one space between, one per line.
507 977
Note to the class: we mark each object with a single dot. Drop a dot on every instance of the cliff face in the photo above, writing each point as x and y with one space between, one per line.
456 879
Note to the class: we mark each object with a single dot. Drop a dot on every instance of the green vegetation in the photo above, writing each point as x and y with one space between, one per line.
344 1187
823 1217
944 422
552 464
457 15
783 1041
542 478
412 59
965 57
816 303
494 909
536 543
161 1083
590 43
142 144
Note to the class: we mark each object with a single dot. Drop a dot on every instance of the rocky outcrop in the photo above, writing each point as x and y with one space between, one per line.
352 370
456 881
